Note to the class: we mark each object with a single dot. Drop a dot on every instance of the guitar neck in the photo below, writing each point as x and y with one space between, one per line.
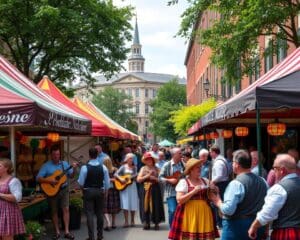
64 171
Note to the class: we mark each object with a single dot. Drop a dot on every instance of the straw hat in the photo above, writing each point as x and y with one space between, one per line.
192 162
148 155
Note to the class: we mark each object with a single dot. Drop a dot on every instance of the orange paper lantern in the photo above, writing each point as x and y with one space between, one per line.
201 137
214 135
241 131
226 133
276 129
207 136
54 137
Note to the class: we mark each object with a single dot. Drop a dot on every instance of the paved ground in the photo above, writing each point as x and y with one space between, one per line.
119 233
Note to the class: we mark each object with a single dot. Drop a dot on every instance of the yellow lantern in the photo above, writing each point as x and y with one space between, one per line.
214 135
54 137
114 146
226 133
276 129
241 131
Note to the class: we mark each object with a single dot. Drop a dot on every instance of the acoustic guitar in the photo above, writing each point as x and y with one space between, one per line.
177 175
52 189
121 186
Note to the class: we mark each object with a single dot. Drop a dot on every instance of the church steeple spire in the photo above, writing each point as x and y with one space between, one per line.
136 60
136 39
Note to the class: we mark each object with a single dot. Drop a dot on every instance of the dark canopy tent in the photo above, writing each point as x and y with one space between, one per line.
23 106
276 95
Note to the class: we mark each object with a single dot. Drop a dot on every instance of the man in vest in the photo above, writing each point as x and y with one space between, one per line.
220 173
281 203
94 181
165 176
243 198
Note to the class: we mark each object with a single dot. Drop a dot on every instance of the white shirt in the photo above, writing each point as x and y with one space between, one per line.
274 201
15 187
219 170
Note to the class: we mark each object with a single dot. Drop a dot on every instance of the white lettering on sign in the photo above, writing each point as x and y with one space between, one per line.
10 117
58 121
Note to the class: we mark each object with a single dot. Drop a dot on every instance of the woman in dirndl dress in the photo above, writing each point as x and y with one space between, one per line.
152 208
193 217
112 200
11 219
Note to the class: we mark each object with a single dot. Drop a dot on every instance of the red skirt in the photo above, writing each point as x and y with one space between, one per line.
286 234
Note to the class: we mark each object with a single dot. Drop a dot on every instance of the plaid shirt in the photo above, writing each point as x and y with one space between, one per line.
168 169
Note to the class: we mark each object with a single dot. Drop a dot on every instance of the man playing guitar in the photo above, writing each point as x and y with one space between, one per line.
62 196
169 175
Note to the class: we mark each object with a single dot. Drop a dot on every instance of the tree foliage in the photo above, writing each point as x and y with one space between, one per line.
117 105
186 116
64 39
170 97
233 37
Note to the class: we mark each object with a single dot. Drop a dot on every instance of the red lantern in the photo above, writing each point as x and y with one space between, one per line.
241 131
226 133
201 137
207 136
214 135
276 129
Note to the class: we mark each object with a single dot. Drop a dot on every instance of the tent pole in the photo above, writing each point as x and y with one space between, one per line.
258 137
205 140
12 147
68 148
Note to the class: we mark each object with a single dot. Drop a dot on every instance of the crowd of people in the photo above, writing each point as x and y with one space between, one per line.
207 195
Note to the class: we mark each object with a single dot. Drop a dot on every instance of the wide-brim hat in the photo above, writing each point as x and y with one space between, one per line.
192 162
149 155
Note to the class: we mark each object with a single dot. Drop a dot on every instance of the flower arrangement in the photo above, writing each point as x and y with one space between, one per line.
34 231
76 203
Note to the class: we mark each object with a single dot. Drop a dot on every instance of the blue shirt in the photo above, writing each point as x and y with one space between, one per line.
83 174
50 167
205 169
101 157
234 194
159 164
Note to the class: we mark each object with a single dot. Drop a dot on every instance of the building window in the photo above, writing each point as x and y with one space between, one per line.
137 108
146 92
269 57
154 93
281 49
146 123
146 108
137 92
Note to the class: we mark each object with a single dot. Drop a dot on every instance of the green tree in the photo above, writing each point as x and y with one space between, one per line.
117 105
186 116
64 39
170 97
233 37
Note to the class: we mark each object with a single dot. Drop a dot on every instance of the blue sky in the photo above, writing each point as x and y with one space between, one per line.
158 23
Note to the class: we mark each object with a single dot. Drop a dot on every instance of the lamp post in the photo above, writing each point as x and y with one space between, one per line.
206 87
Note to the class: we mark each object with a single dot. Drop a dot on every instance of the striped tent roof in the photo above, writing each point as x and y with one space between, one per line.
100 127
22 103
128 133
